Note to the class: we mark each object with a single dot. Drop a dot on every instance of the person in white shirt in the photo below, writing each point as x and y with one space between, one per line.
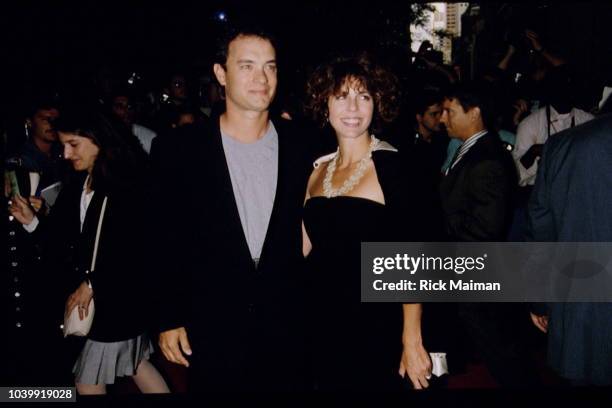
123 110
559 114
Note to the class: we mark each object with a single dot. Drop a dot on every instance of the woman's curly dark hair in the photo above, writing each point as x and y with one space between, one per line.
328 79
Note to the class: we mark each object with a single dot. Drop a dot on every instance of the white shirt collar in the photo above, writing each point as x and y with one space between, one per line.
476 135
380 145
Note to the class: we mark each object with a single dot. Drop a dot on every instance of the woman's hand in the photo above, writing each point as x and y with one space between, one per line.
80 298
37 203
416 363
21 210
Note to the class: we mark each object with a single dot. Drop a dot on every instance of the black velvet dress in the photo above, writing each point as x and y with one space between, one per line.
355 346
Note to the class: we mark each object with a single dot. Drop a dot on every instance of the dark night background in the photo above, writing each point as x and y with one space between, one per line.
62 45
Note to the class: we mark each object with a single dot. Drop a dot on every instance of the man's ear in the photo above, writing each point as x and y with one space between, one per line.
418 117
219 73
475 114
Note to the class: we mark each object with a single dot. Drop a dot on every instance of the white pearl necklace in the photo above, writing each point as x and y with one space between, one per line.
353 180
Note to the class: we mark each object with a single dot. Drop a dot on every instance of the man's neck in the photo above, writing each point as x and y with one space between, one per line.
559 110
246 127
473 133
43 145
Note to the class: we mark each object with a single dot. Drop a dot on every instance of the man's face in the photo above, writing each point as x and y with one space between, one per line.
178 87
458 122
430 119
249 76
122 109
41 125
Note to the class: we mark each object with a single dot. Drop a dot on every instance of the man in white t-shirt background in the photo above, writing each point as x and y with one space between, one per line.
559 113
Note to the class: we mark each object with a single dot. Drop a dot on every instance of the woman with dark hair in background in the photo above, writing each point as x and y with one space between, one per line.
108 174
358 194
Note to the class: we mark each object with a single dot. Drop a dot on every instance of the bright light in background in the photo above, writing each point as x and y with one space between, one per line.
133 78
221 16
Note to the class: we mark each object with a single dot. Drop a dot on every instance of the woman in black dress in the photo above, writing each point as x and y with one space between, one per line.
109 183
359 193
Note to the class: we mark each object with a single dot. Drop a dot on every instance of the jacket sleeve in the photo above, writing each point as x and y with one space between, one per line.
170 269
540 221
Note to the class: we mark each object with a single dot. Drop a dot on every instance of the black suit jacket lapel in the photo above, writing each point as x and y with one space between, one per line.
219 167
282 178
449 182
90 227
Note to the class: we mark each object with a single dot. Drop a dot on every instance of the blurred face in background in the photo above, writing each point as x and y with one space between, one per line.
430 119
41 125
80 151
178 88
122 109
459 123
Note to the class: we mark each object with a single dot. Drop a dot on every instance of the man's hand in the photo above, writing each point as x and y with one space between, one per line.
534 38
417 364
171 342
541 322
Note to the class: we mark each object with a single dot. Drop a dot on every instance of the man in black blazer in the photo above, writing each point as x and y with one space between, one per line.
231 300
477 197
477 190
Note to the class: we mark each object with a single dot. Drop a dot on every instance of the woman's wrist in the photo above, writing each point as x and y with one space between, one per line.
411 339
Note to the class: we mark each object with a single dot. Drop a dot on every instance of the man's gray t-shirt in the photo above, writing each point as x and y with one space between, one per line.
253 169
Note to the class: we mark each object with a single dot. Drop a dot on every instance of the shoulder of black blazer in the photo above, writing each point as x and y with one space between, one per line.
487 148
191 142
403 192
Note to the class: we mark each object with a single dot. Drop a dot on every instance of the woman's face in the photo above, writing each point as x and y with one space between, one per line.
81 151
351 110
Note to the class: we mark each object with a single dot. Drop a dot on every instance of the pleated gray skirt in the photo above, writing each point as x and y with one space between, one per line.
101 363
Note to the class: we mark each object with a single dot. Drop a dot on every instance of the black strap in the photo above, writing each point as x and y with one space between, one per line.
548 120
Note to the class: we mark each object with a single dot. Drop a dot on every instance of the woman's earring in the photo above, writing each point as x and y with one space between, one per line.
27 129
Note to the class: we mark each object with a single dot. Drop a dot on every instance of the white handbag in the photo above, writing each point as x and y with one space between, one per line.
73 325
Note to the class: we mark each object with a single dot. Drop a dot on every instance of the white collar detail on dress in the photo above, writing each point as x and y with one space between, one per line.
379 145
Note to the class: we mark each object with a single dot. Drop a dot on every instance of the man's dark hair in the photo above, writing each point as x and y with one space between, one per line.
121 90
41 102
475 94
425 99
235 31
560 84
